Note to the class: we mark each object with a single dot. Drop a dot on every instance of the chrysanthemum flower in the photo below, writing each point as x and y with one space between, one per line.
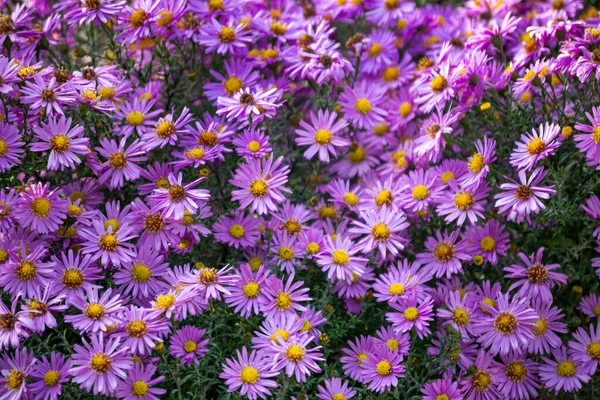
41 307
458 314
142 275
414 314
49 376
297 359
179 197
239 75
383 230
73 273
436 89
441 387
286 253
562 372
444 255
48 96
26 273
335 389
142 329
237 230
277 329
381 51
188 344
421 190
166 130
489 241
478 165
535 146
248 103
460 203
509 326
482 384
40 208
520 200
321 136
247 293
516 376
545 328
135 21
536 280
250 372
229 38
382 369
15 370
362 157
430 142
63 142
354 358
585 349
252 143
98 365
339 259
283 299
108 244
121 162
99 313
261 184
139 384
361 105
14 326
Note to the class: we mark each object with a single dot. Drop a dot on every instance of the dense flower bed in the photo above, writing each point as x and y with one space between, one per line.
332 199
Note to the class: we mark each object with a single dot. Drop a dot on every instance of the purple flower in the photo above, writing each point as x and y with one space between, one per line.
283 299
247 293
63 142
238 230
444 254
142 329
588 142
73 273
251 373
439 388
382 369
40 208
252 143
535 146
11 147
458 314
361 105
460 203
585 349
338 259
13 373
354 358
320 135
239 75
261 184
520 200
335 389
102 12
14 325
98 366
179 197
421 191
545 327
229 39
382 51
49 376
489 241
414 314
478 165
47 95
483 383
139 384
188 344
108 244
167 130
516 377
99 313
297 359
136 22
120 164
247 103
26 273
562 372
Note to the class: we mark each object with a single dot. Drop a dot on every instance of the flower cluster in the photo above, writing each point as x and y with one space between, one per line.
324 198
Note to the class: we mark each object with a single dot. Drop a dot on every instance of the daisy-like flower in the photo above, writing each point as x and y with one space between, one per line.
142 275
210 282
139 384
14 325
335 389
431 142
383 229
230 38
585 349
444 255
521 199
386 12
362 105
137 117
286 251
179 197
121 162
458 314
247 103
42 305
589 141
354 358
414 314
237 230
63 142
297 359
535 146
11 147
99 313
167 130
250 374
188 344
436 89
545 327
252 143
396 283
73 273
98 365
338 259
142 329
49 376
382 51
15 369
460 203
536 280
321 136
239 75
382 369
482 383
246 295
101 11
26 273
516 376
283 299
443 388
590 305
40 208
136 21
107 244
48 96
562 372
8 73
488 241
261 184
277 329
478 165
508 326
421 190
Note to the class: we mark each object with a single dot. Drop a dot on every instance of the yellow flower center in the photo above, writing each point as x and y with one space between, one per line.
233 85
312 248
516 371
443 252
139 388
3 147
286 253
176 193
190 347
537 274
489 302
254 263
51 378
384 197
536 146
363 106
258 188
442 397
253 146
278 29
166 17
420 192
340 257
251 290
282 334
100 363
447 177
41 207
165 301
95 311
596 134
283 301
351 199
141 273
593 350
208 276
108 242
137 18
361 358
380 129
107 93
136 328
338 396
295 353
227 35
323 136
60 143
411 314
135 118
4 255
15 380
439 83
72 278
381 232
292 226
237 231
118 160
505 323
405 109
566 369
488 243
463 201
482 381
375 50
396 289
165 129
391 74
357 155
460 316
249 375
476 164
384 368
26 271
153 223
392 344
